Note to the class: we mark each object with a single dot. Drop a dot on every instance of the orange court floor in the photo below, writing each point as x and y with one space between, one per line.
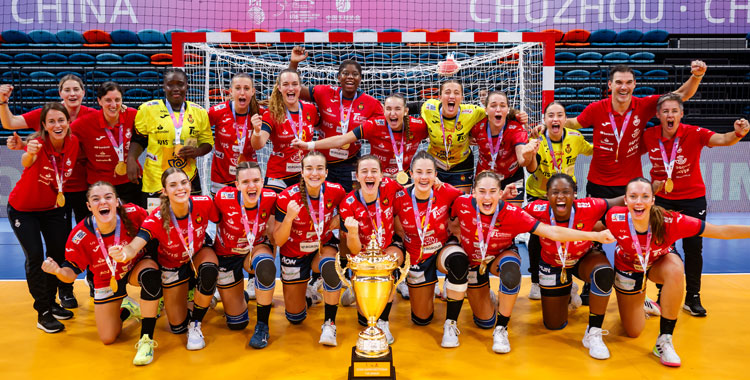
714 347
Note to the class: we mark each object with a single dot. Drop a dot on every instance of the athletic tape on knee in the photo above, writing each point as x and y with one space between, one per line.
421 322
181 328
602 280
509 270
265 271
296 319
207 275
331 280
238 322
486 323
150 281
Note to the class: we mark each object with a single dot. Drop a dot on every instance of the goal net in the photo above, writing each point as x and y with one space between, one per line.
411 63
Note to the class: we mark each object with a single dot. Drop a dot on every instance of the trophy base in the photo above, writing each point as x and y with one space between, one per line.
372 368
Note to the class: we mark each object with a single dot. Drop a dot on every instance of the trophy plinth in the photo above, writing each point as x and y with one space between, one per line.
372 368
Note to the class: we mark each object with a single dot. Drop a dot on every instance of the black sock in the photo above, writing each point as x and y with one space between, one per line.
453 309
330 312
124 314
502 320
263 312
361 319
596 320
198 313
386 312
314 277
147 327
250 276
666 326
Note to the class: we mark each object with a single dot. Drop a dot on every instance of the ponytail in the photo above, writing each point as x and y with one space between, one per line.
656 222
276 105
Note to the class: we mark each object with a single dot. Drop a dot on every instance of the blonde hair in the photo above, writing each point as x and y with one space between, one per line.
276 105
164 199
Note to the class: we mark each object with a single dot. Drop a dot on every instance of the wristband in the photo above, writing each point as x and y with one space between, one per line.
311 145
698 76
3 103
256 133
738 134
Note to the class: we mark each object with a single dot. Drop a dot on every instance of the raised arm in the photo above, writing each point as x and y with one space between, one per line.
352 235
63 274
741 128
327 143
726 232
123 254
298 55
8 119
32 149
283 229
558 233
688 89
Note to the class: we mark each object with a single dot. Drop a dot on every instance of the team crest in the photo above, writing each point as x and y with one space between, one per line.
361 106
568 149
264 215
385 201
329 204
198 219
579 226
190 118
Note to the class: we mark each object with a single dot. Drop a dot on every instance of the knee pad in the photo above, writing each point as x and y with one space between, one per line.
181 328
485 323
421 322
602 280
509 270
457 266
238 322
331 280
265 271
296 319
207 275
150 281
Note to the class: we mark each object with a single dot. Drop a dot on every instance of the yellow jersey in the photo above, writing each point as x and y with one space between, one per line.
453 147
566 151
153 121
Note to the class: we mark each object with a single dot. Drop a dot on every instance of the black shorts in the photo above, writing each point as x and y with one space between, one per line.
460 176
344 172
230 271
423 274
550 279
398 243
602 191
477 280
296 270
280 184
628 282
171 277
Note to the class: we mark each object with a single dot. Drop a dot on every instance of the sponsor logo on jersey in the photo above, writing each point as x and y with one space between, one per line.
220 106
227 195
618 217
541 207
78 236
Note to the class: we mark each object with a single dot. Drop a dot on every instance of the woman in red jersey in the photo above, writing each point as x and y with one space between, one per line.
655 230
304 231
246 219
179 225
112 224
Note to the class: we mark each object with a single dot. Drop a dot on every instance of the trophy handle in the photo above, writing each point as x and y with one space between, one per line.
340 271
405 269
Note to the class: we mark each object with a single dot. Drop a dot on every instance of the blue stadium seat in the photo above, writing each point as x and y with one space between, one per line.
108 59
354 56
149 38
154 77
123 38
377 58
70 38
311 30
42 77
96 76
14 76
123 76
26 59
616 57
577 75
603 37
656 75
589 57
273 57
428 58
392 30
565 92
403 58
168 34
629 37
31 94
559 75
565 57
54 59
339 30
136 59
590 92
51 94
284 30
656 38
643 57
642 91
81 59
573 110
365 30
525 30
204 30
42 38
325 58
137 95
15 38
159 93
599 75
6 59
61 74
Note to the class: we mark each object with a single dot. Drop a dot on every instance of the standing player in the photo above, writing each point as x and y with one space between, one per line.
174 132
36 209
112 225
645 234
246 213
179 224
675 150
342 109
304 216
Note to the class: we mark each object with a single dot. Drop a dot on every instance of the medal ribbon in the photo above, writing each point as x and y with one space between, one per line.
189 246
484 243
620 133
397 153
421 225
241 135
292 123
177 123
552 153
58 174
246 223
669 165
344 118
317 223
445 142
377 222
111 263
117 147
643 259
494 148
562 254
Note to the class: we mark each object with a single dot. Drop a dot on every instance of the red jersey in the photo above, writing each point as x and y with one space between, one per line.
506 162
285 160
172 253
231 236
227 146
302 239
605 170
83 250
511 221
686 174
367 214
96 147
334 111
37 188
677 226
375 131
436 232
588 211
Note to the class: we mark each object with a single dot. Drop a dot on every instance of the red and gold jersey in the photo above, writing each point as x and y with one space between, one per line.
375 131
231 236
286 160
367 214
227 146
506 162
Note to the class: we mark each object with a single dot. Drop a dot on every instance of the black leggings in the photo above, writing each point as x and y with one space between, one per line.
693 246
29 228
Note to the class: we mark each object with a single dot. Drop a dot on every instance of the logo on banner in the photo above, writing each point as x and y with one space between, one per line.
343 5
256 12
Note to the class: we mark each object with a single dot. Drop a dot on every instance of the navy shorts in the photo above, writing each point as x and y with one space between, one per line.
230 271
423 274
171 277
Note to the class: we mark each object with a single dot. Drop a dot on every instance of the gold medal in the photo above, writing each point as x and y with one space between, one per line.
121 168
669 186
60 199
402 178
570 170
113 284
345 146
563 276
191 142
177 149
482 268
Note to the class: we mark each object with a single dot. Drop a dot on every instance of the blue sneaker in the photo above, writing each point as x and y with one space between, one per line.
260 336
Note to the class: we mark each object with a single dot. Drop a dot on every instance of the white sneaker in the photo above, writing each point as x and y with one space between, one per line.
535 293
493 299
195 336
328 334
575 299
438 291
250 289
651 307
403 290
500 342
450 334
664 349
312 294
593 341
348 298
384 325
522 238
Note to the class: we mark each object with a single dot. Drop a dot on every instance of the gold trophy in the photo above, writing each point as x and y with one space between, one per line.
373 285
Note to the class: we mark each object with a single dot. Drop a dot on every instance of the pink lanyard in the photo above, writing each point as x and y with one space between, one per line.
111 263
669 165
494 148
189 246
241 134
318 223
377 222
620 133
344 118
293 124
484 244
397 153
177 123
552 153
445 142
58 174
245 222
562 254
117 147
424 223
642 259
